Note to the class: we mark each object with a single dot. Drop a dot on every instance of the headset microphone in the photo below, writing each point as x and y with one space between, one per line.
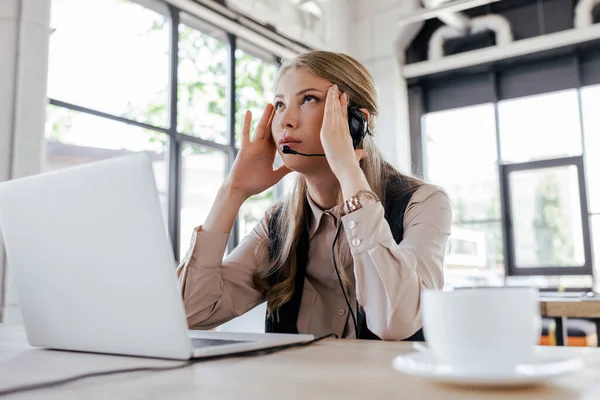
287 150
359 128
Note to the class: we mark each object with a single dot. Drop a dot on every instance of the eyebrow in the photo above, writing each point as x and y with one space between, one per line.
300 92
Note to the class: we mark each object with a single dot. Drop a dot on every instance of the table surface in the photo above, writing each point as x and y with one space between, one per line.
345 369
570 307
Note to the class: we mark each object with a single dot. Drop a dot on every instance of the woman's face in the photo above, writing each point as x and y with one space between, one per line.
299 106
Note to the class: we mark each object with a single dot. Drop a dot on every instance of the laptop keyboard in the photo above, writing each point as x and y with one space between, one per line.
201 343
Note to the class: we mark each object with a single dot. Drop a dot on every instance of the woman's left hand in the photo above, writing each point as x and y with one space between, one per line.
335 135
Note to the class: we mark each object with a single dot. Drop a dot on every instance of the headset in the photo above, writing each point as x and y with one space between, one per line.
359 128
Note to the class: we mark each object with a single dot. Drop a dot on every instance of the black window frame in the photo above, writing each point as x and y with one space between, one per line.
176 139
507 221
567 68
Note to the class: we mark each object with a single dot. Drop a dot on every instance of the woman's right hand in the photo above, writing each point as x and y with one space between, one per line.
252 170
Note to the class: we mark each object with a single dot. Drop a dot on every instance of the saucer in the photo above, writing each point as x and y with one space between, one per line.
542 368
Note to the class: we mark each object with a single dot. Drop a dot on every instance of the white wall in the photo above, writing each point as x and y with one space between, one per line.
24 29
377 41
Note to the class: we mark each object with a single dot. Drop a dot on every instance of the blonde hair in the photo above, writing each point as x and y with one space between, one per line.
355 80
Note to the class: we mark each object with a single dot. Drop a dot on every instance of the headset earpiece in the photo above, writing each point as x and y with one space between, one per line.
359 126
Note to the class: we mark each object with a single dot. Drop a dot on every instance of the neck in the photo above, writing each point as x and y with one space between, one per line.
323 189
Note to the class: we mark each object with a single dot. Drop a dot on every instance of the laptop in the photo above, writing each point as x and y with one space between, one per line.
94 266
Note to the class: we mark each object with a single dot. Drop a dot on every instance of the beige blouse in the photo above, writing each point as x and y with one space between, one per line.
389 276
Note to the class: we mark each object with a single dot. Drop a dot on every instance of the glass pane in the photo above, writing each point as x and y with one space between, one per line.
475 255
111 56
470 177
253 210
590 99
546 217
540 127
255 207
74 138
202 105
287 184
254 88
203 172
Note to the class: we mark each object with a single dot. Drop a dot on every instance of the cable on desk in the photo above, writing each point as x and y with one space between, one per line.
250 353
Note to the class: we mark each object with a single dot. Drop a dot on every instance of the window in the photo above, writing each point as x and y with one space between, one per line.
110 56
110 84
545 111
255 78
546 217
540 139
461 155
590 99
471 180
203 171
540 127
110 93
74 138
254 90
470 177
202 103
95 68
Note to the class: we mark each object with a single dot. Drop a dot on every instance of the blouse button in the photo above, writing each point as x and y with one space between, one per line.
356 242
351 224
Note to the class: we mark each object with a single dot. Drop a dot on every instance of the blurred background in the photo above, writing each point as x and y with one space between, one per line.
491 99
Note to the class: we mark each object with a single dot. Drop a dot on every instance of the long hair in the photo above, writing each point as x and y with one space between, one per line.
355 80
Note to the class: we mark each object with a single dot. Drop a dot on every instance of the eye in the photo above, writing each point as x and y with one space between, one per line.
277 105
309 98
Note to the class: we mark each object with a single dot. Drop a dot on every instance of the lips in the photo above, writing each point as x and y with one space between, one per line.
288 141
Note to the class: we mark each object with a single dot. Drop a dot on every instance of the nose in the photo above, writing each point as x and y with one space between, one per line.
289 119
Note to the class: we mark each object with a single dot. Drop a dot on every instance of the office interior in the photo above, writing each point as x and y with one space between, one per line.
494 101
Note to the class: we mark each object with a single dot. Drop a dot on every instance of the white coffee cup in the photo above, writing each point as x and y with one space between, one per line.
482 330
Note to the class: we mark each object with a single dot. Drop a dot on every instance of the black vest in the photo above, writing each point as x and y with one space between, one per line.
397 198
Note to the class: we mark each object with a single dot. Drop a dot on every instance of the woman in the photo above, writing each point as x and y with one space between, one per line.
394 229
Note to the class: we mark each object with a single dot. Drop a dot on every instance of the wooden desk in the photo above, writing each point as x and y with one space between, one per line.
561 309
334 369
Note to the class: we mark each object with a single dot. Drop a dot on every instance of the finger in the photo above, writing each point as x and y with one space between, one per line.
246 128
269 131
261 128
338 103
329 102
344 105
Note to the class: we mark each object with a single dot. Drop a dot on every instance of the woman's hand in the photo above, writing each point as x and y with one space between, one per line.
343 159
252 170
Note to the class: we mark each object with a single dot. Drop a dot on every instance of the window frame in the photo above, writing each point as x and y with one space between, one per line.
492 89
507 222
176 140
